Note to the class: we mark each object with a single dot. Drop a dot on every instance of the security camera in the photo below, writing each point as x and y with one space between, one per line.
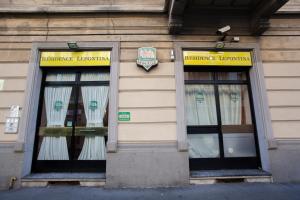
223 30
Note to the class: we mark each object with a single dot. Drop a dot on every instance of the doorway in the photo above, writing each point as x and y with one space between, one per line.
71 130
220 119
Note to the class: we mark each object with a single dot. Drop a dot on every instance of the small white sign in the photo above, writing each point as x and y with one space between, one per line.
1 84
14 111
11 125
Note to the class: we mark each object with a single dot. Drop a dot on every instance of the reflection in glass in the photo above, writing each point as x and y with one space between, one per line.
58 126
239 145
55 77
198 76
232 76
95 100
203 145
234 104
200 105
94 76
54 143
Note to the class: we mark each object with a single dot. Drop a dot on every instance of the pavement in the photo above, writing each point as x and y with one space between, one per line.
222 191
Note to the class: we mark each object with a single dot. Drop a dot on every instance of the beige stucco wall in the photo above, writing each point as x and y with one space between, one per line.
14 76
290 6
150 97
283 89
281 61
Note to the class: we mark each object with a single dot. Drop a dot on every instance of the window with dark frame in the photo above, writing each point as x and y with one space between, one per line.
72 121
220 119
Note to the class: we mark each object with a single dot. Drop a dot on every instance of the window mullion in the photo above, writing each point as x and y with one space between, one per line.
75 110
217 99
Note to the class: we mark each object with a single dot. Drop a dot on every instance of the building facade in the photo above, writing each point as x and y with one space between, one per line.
146 93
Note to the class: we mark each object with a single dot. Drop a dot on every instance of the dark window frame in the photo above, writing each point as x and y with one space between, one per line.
222 162
70 165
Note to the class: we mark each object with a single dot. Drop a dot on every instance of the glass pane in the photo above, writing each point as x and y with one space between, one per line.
56 124
103 76
200 105
60 77
203 145
91 125
239 145
198 76
232 76
234 104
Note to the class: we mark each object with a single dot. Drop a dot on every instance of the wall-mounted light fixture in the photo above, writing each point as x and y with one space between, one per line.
73 45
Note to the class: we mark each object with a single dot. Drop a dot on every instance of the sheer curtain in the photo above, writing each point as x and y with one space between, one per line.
200 105
230 103
94 146
236 144
201 110
56 103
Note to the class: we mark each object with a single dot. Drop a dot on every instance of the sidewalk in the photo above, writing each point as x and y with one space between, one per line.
229 191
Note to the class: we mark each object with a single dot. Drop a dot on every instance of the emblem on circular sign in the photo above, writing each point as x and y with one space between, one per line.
147 58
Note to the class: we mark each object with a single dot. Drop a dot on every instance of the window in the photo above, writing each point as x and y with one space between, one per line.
219 118
72 131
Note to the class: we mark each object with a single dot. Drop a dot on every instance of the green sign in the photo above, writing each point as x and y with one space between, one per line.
93 105
69 123
234 96
58 105
124 116
200 97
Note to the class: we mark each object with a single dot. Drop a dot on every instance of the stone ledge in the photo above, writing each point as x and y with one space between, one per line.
246 179
46 182
224 176
82 9
34 183
92 183
229 173
65 176
82 179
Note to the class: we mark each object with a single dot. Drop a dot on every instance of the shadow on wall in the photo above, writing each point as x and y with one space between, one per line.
10 166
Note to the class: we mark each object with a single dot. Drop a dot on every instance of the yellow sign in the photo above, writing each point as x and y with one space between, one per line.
209 58
71 59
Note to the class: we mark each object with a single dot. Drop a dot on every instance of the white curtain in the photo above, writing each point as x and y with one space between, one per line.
200 105
94 146
56 103
230 103
201 110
